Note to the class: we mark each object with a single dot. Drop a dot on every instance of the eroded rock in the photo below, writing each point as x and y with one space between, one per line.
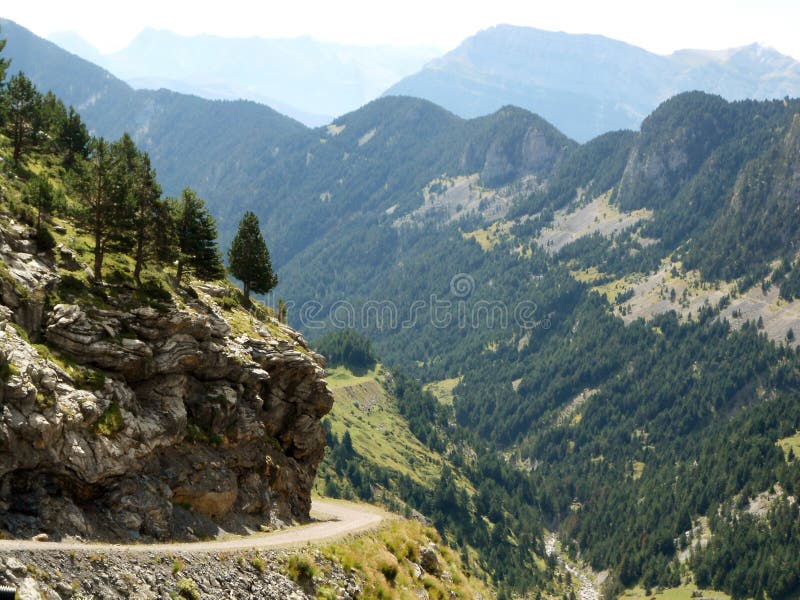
189 426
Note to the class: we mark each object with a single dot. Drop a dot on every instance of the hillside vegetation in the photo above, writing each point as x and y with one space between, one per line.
691 400
654 447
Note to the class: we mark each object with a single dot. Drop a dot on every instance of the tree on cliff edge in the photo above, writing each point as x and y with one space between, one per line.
197 238
103 213
248 258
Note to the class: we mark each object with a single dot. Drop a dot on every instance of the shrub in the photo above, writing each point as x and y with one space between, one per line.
118 276
177 565
258 564
154 290
7 371
87 378
45 241
188 589
301 567
70 286
110 421
389 571
229 303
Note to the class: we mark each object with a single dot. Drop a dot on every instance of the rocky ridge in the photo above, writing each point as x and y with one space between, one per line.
138 421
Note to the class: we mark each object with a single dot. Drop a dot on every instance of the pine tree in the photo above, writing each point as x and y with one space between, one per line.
105 210
153 227
73 139
152 233
50 119
22 102
197 238
40 194
248 259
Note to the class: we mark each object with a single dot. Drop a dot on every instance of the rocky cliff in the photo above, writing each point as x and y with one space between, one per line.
136 419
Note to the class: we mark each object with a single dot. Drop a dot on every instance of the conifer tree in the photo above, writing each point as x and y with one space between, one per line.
153 226
197 238
248 259
23 106
40 194
73 139
105 211
149 229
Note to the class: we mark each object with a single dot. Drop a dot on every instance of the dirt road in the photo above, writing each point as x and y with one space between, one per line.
333 519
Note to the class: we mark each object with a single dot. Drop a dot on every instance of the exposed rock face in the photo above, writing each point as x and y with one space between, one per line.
24 276
428 559
675 142
187 427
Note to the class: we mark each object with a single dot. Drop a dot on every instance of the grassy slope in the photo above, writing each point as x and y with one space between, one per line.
684 592
443 390
387 559
380 434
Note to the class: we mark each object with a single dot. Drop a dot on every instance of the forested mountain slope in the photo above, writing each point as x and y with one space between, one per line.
602 409
499 256
212 145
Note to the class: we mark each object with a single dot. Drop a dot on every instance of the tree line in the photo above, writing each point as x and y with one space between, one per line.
118 201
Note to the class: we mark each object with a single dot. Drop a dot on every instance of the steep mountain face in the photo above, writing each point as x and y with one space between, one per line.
304 77
134 422
590 398
586 84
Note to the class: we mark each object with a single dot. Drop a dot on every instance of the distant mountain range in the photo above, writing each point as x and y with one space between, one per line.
306 79
589 84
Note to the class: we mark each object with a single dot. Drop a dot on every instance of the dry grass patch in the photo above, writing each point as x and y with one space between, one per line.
388 560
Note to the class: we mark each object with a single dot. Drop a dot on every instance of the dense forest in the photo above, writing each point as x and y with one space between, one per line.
609 415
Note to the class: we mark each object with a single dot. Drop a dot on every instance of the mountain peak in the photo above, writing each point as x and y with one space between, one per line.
588 84
71 41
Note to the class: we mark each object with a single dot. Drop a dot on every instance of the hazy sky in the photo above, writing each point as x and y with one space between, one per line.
660 26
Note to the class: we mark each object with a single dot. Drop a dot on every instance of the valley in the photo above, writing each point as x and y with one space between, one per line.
591 387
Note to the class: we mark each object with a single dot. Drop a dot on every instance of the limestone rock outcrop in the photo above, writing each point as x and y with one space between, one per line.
139 422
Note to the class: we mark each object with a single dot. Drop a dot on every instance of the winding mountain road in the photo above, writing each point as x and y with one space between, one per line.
334 519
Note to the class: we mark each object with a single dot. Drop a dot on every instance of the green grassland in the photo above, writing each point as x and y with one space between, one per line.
791 443
443 390
380 434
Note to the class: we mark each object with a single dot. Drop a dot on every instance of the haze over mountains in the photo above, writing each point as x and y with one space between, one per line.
589 84
585 85
306 79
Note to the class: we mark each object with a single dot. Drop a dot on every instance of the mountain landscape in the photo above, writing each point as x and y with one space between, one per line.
161 433
577 361
587 85
308 80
